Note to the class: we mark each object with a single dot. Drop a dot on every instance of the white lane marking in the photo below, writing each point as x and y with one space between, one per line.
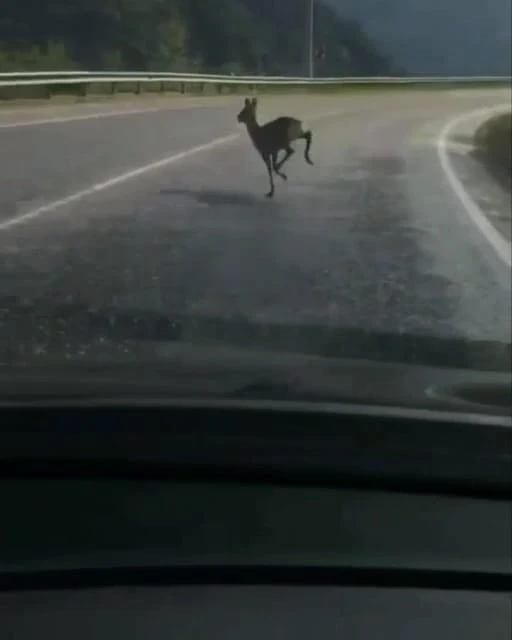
134 173
327 114
87 116
475 213
462 148
112 182
479 93
113 114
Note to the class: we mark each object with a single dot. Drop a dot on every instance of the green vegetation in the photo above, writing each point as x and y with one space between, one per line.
54 56
493 141
224 36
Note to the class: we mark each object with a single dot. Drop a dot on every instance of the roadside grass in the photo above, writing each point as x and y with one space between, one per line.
81 92
493 145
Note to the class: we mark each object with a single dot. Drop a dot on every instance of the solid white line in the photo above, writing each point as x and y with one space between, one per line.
501 246
113 114
462 148
87 116
112 182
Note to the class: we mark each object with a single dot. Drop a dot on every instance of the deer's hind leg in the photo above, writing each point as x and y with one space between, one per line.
269 164
308 137
297 132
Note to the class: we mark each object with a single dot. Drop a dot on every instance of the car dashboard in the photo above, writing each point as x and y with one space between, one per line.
250 520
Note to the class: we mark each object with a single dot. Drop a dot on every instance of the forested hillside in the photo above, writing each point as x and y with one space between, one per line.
254 36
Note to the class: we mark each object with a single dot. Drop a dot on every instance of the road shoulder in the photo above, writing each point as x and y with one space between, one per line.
481 194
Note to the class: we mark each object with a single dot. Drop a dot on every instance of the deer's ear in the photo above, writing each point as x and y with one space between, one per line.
254 101
247 102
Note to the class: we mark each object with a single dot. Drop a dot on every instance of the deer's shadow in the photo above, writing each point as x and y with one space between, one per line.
221 197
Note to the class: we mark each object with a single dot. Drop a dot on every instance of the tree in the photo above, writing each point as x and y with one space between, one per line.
255 36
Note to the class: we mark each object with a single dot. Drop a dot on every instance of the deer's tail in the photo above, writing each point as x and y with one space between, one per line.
308 137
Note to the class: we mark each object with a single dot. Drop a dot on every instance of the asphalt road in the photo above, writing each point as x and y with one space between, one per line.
160 208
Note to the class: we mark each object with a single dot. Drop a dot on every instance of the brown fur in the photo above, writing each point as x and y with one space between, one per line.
273 137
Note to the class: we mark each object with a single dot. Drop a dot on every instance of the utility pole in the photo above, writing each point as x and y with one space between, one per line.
311 37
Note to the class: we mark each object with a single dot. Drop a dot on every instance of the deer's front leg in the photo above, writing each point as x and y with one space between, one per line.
276 165
287 155
269 165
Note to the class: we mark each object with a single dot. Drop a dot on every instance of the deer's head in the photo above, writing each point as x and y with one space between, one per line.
248 113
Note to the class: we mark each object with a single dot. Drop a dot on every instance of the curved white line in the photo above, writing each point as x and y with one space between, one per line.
501 246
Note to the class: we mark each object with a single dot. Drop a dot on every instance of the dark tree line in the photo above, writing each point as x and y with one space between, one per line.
251 36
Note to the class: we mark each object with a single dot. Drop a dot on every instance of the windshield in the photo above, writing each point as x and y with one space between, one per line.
185 183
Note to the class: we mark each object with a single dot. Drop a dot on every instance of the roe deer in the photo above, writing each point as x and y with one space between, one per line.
273 137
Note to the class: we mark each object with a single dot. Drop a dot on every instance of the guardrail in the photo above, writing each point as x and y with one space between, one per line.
52 80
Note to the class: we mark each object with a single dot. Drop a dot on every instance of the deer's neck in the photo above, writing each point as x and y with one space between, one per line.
253 128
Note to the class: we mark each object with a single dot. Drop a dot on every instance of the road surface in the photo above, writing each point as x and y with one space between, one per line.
156 208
